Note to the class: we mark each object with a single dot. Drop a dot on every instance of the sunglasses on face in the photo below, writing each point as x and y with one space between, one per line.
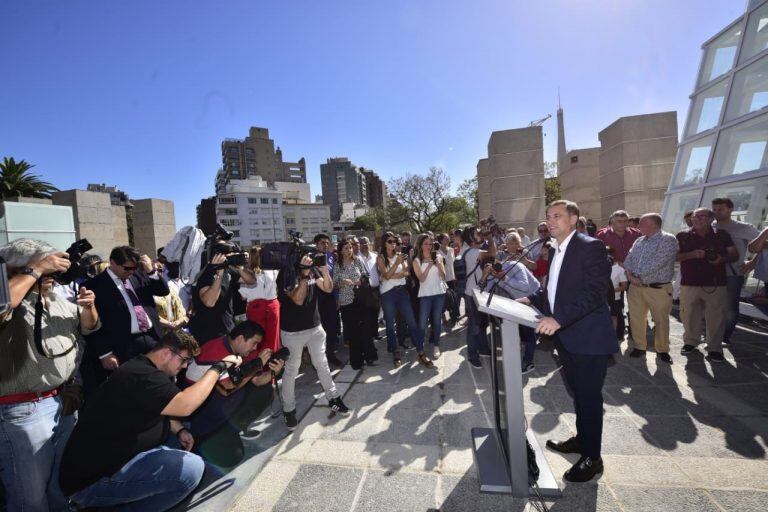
392 242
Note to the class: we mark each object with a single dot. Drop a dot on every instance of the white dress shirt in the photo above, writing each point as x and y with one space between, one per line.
554 269
128 302
370 265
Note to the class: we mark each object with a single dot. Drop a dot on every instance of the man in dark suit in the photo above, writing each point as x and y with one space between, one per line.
577 316
130 324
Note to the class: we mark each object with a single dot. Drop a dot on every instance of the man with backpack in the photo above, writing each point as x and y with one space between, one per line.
468 270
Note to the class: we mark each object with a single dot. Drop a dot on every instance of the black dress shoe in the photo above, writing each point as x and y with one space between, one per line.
572 445
333 360
584 470
664 356
637 353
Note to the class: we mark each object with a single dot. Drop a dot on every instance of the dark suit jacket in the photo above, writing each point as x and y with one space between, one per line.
115 333
581 306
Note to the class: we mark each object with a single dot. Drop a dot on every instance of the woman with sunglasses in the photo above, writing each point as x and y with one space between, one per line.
429 268
347 276
393 270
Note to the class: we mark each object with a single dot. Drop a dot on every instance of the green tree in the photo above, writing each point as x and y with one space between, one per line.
16 180
552 189
468 191
423 198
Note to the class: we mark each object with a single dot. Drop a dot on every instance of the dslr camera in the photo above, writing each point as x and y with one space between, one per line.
710 254
77 269
238 373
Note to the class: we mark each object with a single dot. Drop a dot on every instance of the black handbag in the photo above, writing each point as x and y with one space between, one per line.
365 295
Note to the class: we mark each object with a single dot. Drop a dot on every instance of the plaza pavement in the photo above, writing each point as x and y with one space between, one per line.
686 437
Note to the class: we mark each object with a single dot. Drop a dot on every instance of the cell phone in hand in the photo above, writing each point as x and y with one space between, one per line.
405 250
433 255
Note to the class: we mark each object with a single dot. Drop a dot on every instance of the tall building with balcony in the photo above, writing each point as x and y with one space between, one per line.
724 148
376 189
256 156
342 182
251 209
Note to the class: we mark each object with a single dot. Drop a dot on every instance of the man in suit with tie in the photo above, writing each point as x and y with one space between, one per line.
576 315
130 324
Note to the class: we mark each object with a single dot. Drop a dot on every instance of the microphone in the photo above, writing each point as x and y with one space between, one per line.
514 265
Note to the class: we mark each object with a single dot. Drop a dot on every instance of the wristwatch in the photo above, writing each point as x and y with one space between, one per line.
219 366
30 272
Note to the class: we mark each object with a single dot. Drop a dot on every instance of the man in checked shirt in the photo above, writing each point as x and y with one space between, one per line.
650 266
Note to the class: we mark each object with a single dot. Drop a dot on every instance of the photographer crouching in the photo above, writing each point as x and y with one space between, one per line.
226 415
213 314
41 347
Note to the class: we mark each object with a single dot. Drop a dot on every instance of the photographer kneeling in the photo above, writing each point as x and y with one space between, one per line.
37 367
225 415
212 295
116 453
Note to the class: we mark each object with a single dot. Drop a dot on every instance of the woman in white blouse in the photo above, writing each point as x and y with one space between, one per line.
392 264
263 306
429 268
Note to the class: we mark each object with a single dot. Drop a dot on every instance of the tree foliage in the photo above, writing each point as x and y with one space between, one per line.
17 180
468 191
425 203
552 189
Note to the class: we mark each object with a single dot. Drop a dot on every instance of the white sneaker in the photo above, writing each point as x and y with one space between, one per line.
436 352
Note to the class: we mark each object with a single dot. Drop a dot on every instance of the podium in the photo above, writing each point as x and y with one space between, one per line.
500 453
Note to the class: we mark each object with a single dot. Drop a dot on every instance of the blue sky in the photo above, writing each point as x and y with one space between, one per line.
140 94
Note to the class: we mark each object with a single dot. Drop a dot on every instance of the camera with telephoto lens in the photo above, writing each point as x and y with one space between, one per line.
76 269
238 373
710 254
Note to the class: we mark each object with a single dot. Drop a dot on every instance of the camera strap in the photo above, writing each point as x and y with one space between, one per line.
38 332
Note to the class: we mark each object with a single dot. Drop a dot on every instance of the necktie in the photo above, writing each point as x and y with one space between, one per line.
141 315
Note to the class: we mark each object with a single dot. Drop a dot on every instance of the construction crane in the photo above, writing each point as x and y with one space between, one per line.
540 122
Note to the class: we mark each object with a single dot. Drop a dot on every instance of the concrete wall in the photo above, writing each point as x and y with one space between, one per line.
119 225
93 216
154 224
483 188
636 159
514 182
579 173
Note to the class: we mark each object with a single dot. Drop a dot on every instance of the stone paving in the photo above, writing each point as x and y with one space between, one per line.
686 437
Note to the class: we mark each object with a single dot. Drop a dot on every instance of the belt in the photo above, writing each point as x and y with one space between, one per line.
34 396
655 285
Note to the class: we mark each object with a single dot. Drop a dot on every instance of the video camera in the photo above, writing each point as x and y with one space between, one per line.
288 255
77 269
220 242
238 373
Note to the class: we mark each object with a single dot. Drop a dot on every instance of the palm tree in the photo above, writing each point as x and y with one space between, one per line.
16 180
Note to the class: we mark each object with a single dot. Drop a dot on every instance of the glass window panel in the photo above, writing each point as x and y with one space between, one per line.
756 37
719 55
692 162
741 148
754 3
750 199
705 109
749 91
677 204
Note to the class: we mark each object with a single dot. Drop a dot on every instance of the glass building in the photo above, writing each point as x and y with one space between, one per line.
724 147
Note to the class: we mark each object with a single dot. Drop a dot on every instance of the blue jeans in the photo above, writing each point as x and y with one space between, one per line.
156 479
477 338
432 306
734 285
394 301
528 337
32 440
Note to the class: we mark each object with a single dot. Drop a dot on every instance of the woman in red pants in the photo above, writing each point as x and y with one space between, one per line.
263 307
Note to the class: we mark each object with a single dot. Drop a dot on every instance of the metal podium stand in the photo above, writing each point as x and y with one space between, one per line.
495 473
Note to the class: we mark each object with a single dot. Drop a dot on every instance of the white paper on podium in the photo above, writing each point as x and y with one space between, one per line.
509 309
